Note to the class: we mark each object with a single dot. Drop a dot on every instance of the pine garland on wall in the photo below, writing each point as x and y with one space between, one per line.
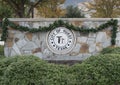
59 23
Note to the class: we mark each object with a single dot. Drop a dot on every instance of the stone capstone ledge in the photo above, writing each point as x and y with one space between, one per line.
64 19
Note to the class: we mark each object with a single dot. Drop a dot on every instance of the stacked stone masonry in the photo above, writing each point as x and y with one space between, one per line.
25 43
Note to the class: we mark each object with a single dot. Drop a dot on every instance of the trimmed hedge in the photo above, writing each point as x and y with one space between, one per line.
111 50
98 70
30 70
6 62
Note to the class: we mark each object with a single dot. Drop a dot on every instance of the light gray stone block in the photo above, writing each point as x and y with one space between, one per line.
19 35
21 43
107 43
36 24
27 52
29 46
76 49
13 53
118 41
92 35
16 49
92 48
7 51
40 55
101 37
91 41
47 52
82 39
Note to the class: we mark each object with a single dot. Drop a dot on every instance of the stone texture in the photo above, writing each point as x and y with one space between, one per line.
27 24
101 37
118 41
84 34
99 47
84 48
29 46
77 23
81 39
21 43
92 48
13 52
40 55
27 52
7 51
59 57
36 39
107 43
92 35
89 24
9 44
90 41
118 34
86 55
16 40
36 24
47 52
29 36
77 34
36 50
10 35
16 49
19 35
22 23
76 50
109 34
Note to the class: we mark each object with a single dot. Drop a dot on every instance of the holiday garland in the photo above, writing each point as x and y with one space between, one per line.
59 23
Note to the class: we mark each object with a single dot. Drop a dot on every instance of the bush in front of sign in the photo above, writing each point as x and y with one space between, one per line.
98 70
23 71
111 50
8 61
30 70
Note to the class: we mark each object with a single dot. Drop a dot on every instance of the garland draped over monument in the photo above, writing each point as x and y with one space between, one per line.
6 23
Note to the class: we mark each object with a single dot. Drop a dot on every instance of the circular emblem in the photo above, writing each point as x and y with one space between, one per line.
60 40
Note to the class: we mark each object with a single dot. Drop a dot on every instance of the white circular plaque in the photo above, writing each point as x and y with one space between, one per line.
61 40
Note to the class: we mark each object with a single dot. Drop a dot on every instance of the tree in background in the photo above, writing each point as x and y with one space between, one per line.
51 9
5 11
21 8
105 8
73 12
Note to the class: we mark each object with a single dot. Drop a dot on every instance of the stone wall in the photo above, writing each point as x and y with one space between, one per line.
25 43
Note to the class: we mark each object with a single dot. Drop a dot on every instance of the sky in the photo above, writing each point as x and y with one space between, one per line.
73 2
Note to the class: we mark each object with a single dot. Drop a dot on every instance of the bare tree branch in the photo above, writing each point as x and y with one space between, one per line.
32 6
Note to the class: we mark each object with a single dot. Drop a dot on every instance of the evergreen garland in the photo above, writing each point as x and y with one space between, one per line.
56 24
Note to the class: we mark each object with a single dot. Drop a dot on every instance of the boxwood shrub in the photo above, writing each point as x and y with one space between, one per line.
111 50
98 70
6 62
30 70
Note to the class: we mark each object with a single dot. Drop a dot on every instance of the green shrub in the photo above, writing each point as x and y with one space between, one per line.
114 50
98 70
6 62
33 71
30 70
